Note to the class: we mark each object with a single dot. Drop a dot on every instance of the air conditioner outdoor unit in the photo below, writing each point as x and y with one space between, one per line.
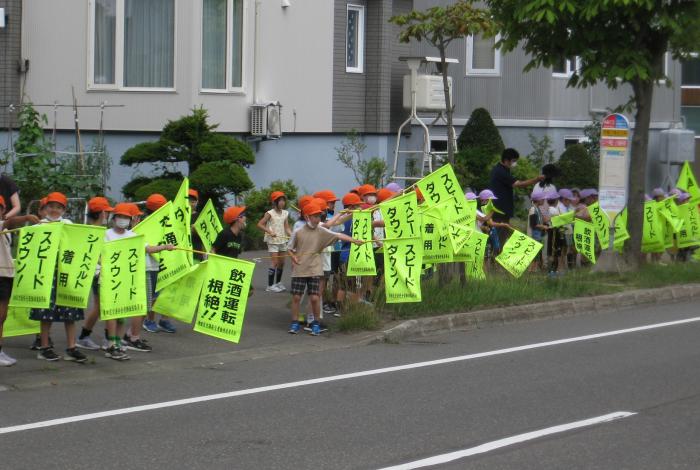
266 120
430 94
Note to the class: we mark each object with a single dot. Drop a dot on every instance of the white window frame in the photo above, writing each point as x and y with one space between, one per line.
693 55
494 72
360 39
119 54
569 71
229 90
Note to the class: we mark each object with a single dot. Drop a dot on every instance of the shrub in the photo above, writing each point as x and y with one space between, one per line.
578 168
479 144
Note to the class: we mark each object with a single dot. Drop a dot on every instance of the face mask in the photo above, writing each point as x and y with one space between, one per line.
53 219
514 164
121 223
371 199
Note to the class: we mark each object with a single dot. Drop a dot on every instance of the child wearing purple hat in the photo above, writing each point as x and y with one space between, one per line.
537 226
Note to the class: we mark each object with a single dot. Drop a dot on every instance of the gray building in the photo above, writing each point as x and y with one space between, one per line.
10 57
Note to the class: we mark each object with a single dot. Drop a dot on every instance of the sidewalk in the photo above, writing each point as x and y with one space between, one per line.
264 335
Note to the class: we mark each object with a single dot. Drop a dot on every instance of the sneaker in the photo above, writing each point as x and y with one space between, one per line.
6 361
36 345
123 347
322 328
105 345
151 326
87 343
328 309
336 314
137 345
272 288
315 329
280 287
115 353
47 355
166 326
74 355
294 327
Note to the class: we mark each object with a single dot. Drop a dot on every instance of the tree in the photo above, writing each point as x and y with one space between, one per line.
578 168
372 171
616 42
216 163
479 144
439 26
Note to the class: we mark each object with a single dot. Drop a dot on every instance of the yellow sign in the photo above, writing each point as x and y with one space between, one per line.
518 253
208 225
179 300
361 257
79 251
123 278
18 323
402 269
584 239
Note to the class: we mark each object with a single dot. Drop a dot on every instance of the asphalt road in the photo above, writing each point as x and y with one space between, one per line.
278 416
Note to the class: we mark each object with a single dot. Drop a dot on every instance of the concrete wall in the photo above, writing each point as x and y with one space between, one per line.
10 43
295 67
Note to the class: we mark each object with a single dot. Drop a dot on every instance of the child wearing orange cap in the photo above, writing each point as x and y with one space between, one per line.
275 224
230 242
7 270
351 202
305 249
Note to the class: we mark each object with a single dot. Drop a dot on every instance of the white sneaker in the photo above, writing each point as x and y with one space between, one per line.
87 343
6 361
105 345
272 288
281 287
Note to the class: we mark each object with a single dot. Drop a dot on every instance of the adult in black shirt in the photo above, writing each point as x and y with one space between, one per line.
10 192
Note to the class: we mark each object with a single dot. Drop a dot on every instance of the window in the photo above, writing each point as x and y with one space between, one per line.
690 93
482 56
690 76
222 45
132 44
564 68
570 140
355 40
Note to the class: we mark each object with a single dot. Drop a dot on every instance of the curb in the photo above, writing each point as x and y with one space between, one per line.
553 309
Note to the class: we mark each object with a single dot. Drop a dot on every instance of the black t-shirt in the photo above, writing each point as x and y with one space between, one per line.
7 188
502 186
228 244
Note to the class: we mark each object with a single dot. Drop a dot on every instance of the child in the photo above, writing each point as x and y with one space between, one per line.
98 213
331 255
536 226
275 224
230 242
368 193
351 202
305 249
555 236
7 270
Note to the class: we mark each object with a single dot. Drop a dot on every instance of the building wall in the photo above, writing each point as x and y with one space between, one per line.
295 67
10 44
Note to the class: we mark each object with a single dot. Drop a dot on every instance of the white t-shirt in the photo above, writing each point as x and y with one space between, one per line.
7 265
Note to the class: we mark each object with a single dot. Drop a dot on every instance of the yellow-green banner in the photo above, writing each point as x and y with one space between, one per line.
224 297
563 219
669 211
687 182
436 240
180 299
584 239
652 229
518 252
35 265
78 253
690 233
476 247
361 257
601 222
18 323
208 225
123 278
489 207
153 226
182 224
401 217
441 186
459 235
621 233
176 263
402 269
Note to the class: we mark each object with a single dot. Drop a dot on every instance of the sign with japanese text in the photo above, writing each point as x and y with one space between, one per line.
361 257
621 233
688 183
689 235
402 270
123 278
652 229
669 211
208 225
441 186
584 239
601 222
224 297
459 235
614 158
35 265
153 226
563 219
518 252
18 323
176 263
436 240
476 247
78 253
401 217
179 300
182 221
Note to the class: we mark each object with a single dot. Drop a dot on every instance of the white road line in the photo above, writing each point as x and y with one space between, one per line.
332 378
508 441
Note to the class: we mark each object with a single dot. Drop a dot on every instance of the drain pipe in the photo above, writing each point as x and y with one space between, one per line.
256 40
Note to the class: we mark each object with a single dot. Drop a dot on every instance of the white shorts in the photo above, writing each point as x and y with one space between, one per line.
276 247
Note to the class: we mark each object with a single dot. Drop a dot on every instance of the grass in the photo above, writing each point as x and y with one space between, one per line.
358 317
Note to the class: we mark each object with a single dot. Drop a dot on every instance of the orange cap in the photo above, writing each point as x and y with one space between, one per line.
42 202
305 200
193 193
2 202
366 189
384 194
276 195
355 190
312 208
99 204
123 208
232 213
155 201
320 202
60 198
327 195
134 209
351 199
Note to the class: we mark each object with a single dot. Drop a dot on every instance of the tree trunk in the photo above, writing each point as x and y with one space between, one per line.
448 105
643 94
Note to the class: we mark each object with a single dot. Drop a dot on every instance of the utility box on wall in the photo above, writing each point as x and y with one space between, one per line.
677 146
430 94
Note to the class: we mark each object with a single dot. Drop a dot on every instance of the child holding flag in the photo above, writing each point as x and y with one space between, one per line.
275 224
7 270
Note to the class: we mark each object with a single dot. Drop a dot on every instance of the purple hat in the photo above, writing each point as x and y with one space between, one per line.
487 194
647 198
683 197
588 192
674 192
470 195
566 193
538 196
393 187
658 192
551 195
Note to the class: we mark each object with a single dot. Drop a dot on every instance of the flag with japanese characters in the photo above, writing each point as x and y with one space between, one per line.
123 278
584 239
224 297
35 265
518 252
601 222
401 217
442 185
652 229
621 233
402 269
208 225
180 299
182 223
78 253
176 263
689 235
459 235
687 182
153 226
563 219
18 323
436 240
669 211
361 257
476 249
